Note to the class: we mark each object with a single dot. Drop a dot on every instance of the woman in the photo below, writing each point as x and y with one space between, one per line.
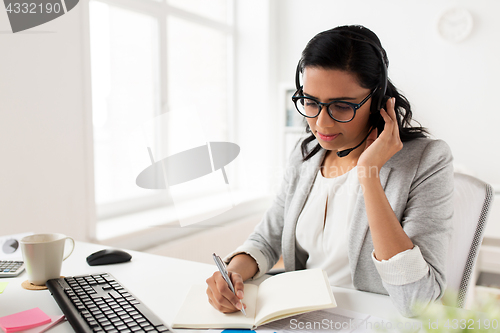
366 197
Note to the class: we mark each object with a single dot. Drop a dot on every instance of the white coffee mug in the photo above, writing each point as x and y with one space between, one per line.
43 255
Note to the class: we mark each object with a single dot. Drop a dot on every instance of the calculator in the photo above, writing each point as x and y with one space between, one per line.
11 268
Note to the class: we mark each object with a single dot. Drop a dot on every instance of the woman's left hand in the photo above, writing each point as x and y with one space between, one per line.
379 150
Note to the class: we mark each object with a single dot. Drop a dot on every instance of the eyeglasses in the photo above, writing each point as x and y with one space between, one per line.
340 111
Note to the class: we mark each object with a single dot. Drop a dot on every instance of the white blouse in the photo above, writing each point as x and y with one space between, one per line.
323 232
323 225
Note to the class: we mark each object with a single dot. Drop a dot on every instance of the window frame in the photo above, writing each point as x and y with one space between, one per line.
161 11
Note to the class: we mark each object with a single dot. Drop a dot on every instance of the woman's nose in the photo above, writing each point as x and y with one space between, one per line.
324 120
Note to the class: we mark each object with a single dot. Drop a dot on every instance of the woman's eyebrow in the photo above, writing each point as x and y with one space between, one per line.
331 99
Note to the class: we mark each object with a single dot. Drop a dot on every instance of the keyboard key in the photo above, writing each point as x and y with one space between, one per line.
108 278
103 320
114 294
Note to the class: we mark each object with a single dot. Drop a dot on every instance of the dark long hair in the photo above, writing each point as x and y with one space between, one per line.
340 48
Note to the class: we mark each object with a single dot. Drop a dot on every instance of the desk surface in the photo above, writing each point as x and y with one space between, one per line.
161 283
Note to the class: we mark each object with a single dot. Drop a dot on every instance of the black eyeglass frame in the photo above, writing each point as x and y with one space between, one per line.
354 106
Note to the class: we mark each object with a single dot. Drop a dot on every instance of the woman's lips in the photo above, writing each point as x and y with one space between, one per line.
329 137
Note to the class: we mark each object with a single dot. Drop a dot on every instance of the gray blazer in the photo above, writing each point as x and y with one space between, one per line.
418 182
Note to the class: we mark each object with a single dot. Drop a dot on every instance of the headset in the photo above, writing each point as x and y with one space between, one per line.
379 98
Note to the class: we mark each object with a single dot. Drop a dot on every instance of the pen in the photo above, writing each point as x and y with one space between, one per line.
222 269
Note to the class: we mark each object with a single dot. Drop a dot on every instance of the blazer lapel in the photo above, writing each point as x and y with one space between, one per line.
308 171
359 223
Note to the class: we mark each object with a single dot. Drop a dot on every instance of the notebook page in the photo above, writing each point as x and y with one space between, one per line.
293 292
197 312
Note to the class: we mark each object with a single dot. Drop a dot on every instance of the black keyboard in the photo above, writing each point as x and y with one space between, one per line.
99 303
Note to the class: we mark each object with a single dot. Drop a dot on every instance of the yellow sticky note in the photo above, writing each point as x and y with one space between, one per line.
2 286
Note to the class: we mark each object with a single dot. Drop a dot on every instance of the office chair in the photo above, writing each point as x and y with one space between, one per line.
472 202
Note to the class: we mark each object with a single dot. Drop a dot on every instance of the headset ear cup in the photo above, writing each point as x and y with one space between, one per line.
376 119
379 102
383 103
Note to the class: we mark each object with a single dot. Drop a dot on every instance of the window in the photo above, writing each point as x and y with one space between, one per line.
149 57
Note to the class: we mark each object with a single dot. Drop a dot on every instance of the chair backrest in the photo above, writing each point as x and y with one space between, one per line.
472 201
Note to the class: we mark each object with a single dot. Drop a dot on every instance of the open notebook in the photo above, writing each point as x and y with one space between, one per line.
278 297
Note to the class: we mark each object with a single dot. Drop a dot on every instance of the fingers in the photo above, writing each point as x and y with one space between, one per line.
392 111
238 284
219 294
390 108
391 123
218 306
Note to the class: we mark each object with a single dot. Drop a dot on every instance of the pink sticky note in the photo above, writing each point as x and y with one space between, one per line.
40 329
24 320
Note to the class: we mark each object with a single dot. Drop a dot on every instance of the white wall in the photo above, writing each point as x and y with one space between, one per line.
453 87
43 160
256 101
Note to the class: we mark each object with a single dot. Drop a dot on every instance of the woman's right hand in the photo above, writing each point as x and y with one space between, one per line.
221 297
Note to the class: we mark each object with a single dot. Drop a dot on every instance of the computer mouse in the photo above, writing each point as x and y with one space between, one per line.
108 256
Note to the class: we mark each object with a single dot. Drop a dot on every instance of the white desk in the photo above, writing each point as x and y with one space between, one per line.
161 283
